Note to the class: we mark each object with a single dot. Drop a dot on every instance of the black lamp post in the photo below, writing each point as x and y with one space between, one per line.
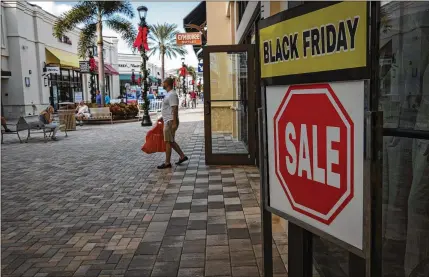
91 51
148 83
133 81
146 121
184 76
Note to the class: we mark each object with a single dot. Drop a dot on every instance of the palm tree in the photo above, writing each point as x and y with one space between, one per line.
162 40
192 72
95 14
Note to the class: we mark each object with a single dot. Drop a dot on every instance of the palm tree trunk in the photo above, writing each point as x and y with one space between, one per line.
100 59
162 66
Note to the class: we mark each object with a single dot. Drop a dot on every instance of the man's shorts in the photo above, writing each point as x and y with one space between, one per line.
169 132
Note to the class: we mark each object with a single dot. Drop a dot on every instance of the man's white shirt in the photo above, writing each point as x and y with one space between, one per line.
171 99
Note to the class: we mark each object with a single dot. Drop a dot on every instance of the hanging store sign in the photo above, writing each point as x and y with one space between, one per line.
53 70
84 66
332 38
189 38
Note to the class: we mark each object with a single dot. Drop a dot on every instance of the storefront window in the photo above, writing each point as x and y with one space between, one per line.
64 86
404 100
404 58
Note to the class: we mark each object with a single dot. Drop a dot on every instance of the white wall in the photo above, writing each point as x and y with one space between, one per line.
4 42
28 30
245 20
126 62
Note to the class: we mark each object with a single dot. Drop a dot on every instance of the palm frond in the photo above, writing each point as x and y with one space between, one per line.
110 8
82 12
192 72
86 39
124 27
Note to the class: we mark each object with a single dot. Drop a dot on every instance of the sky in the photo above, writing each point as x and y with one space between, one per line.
158 12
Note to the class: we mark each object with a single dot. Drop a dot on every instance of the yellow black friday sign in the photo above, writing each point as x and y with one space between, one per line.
327 39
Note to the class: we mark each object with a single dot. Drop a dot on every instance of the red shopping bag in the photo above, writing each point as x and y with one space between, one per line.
155 139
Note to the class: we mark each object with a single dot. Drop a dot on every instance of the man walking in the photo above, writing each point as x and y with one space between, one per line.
170 116
194 99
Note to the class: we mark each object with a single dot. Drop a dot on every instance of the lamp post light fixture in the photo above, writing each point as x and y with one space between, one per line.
142 10
146 121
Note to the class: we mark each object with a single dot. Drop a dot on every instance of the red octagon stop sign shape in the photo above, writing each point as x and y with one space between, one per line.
314 145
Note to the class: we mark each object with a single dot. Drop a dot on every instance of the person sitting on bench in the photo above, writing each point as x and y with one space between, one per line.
82 112
3 123
45 118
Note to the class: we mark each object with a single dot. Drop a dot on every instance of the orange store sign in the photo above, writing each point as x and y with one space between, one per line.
189 38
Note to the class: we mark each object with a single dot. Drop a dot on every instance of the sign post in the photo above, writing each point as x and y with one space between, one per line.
314 64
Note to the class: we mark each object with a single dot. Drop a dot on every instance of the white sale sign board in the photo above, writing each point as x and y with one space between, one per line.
316 136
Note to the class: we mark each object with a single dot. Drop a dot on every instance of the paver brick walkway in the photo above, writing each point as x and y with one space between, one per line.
93 204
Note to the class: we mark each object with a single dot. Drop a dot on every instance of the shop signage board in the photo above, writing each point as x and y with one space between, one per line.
84 66
313 65
53 69
193 38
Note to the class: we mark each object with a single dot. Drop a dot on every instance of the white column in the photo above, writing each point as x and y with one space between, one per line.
265 9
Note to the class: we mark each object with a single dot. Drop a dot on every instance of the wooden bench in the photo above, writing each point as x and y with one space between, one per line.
98 114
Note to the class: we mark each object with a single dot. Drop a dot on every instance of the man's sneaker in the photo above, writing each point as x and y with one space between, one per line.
163 166
182 160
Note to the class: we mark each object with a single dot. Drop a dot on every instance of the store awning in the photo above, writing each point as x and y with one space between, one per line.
125 77
64 58
108 69
153 79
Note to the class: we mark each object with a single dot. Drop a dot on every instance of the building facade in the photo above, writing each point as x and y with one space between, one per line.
403 98
40 70
129 62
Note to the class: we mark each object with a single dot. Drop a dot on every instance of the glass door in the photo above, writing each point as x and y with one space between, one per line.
229 106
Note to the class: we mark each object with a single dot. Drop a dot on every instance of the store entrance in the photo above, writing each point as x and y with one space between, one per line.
229 105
